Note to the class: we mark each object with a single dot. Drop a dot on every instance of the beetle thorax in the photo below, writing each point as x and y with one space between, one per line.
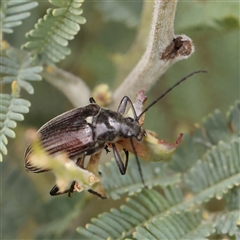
111 126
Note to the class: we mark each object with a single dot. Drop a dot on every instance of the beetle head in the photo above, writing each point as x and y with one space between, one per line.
131 128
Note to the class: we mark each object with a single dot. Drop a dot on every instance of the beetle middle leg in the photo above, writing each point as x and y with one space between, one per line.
122 167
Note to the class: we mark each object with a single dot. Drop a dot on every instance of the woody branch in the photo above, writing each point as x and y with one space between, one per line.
162 51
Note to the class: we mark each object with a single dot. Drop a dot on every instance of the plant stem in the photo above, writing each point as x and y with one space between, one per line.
162 52
72 86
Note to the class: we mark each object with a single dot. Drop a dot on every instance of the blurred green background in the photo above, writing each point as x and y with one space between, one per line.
98 56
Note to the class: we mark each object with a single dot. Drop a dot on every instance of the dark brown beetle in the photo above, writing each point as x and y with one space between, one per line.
88 130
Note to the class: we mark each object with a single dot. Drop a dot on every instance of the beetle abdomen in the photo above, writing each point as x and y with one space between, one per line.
68 132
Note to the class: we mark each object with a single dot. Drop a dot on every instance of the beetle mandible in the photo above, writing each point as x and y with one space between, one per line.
88 130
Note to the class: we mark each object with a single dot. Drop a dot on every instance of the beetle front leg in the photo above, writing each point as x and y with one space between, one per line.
119 161
123 106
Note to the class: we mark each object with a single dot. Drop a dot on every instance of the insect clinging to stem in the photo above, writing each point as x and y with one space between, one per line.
88 130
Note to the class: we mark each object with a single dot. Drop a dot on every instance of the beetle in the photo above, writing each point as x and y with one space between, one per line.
88 130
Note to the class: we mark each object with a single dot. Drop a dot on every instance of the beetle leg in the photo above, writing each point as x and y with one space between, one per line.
119 161
94 149
55 189
107 149
138 163
70 190
123 105
80 162
91 100
96 193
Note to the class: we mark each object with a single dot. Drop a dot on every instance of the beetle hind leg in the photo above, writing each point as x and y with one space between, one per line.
97 194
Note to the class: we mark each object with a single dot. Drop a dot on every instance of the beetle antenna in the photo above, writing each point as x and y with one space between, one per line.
138 163
170 89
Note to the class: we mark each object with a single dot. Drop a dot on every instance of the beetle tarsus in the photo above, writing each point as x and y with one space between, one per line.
71 189
107 149
91 100
97 194
55 189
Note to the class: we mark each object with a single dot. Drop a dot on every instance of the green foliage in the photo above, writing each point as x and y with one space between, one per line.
226 221
145 216
155 174
17 69
146 206
183 225
12 110
224 17
225 129
18 66
216 172
48 41
121 11
214 27
13 12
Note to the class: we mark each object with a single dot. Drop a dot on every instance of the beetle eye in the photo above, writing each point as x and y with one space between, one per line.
130 119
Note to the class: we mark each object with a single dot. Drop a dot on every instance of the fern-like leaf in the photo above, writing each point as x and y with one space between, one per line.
227 222
126 12
233 199
216 173
140 209
233 116
12 110
13 12
155 174
215 128
48 41
185 225
17 66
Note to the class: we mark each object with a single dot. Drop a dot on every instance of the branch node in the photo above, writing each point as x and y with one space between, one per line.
180 47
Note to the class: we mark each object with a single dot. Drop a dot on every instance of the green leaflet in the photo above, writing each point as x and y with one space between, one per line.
154 174
126 12
11 110
183 225
227 221
17 69
215 127
17 65
234 119
13 12
49 40
144 207
216 172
